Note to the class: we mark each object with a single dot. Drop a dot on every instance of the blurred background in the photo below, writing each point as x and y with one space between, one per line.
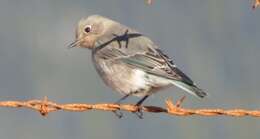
215 42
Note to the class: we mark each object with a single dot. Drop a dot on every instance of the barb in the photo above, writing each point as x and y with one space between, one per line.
45 106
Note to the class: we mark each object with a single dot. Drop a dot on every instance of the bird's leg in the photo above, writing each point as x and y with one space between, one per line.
118 113
142 100
123 98
139 112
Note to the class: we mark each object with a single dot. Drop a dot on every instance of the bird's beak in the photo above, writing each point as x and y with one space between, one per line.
74 44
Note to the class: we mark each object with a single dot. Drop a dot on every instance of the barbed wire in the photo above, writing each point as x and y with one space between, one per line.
45 106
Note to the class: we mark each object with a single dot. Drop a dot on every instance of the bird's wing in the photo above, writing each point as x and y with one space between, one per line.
157 63
143 54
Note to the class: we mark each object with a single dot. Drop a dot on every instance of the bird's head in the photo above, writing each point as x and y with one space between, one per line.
89 30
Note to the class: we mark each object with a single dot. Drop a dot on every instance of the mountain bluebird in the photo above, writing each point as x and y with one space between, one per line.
129 62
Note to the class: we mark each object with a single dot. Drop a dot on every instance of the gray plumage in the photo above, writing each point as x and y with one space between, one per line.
128 61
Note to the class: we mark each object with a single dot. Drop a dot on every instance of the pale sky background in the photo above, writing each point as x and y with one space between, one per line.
215 42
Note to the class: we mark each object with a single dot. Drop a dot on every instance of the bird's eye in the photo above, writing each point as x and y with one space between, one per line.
87 29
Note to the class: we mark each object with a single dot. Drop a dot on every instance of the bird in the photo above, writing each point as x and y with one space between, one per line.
128 61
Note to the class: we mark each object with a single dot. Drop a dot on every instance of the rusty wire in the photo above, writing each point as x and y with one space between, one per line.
45 106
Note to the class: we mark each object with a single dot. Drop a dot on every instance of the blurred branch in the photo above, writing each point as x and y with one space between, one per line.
45 106
256 4
149 2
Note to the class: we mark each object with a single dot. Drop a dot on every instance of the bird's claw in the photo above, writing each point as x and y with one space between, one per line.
118 114
139 113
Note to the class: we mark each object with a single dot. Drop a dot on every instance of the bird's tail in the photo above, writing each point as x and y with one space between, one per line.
192 89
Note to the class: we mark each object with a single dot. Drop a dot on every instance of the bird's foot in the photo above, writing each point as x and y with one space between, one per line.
119 114
139 113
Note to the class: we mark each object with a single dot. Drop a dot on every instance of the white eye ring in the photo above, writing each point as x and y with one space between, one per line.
87 29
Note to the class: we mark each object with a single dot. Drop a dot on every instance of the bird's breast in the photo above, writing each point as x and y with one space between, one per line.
122 78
